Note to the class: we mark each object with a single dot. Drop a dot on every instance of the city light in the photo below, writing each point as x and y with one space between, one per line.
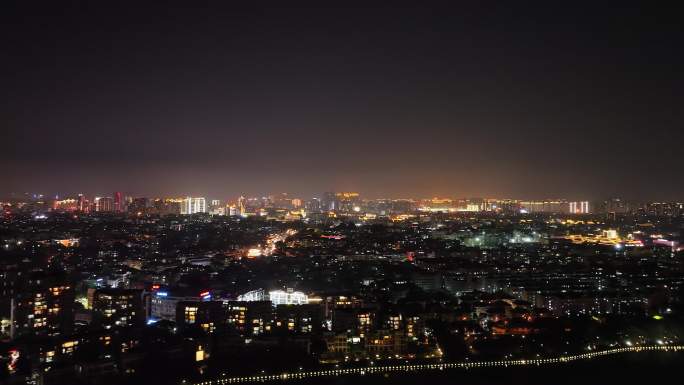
238 193
280 297
438 366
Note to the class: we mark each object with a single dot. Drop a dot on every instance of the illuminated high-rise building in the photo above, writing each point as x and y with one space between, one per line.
233 211
313 205
68 204
616 206
217 208
168 206
205 314
578 207
118 202
545 206
347 201
329 202
83 204
43 306
289 297
104 204
138 205
118 307
584 207
282 201
242 209
193 205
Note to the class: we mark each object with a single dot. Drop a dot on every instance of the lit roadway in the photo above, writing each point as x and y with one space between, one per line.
439 366
271 242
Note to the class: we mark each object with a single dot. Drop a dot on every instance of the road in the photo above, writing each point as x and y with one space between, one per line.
439 366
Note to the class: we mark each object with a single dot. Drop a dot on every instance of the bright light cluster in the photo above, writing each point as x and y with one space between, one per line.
279 297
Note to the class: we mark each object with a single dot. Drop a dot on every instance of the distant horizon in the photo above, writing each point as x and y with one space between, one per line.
291 195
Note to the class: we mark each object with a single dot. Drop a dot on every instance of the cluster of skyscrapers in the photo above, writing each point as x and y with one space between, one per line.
338 203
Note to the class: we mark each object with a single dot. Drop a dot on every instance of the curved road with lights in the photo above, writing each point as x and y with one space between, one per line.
439 366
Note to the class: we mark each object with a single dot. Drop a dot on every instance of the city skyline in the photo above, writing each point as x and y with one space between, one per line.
288 289
317 195
287 207
213 193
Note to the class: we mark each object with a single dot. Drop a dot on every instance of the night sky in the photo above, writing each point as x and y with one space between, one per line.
468 100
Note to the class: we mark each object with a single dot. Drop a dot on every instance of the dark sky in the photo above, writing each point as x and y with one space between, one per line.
467 99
